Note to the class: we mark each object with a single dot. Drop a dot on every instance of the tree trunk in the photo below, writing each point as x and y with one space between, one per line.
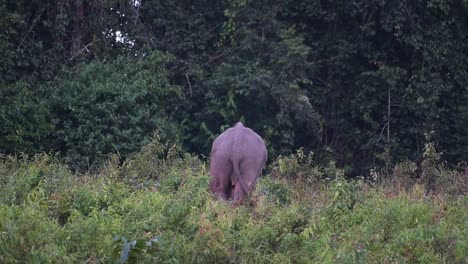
77 31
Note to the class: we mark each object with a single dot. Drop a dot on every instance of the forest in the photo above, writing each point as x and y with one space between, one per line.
108 109
347 80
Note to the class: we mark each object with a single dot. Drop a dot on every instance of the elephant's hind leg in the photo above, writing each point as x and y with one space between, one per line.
249 178
238 194
218 189
230 190
221 170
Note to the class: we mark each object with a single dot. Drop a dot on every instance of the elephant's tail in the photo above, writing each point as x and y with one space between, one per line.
236 165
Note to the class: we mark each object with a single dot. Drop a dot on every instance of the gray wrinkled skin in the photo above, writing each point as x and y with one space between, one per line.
237 158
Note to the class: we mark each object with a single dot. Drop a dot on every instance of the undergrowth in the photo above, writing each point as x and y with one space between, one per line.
156 208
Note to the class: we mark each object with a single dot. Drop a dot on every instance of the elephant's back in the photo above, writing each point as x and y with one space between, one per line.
247 142
239 140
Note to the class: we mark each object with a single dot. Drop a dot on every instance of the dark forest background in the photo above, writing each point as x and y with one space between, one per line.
358 82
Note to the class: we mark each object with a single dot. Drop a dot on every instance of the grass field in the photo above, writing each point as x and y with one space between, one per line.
156 208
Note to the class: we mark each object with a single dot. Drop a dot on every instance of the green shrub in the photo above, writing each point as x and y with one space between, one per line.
29 236
109 107
103 217
276 191
20 176
399 229
24 119
297 166
132 251
431 172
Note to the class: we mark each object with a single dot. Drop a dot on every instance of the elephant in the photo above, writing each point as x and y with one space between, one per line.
237 159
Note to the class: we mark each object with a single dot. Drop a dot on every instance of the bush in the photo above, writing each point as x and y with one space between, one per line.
103 108
42 174
24 119
431 172
165 213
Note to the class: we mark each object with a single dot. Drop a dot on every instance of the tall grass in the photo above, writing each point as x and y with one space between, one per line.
156 207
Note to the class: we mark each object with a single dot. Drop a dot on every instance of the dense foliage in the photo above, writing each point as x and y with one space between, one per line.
119 92
156 208
351 81
103 108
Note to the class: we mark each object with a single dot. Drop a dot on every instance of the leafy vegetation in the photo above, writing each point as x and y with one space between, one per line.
103 108
351 81
108 110
161 211
25 119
